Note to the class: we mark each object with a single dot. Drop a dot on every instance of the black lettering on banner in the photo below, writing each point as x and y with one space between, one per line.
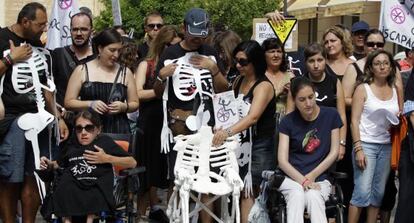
412 31
54 24
262 27
66 32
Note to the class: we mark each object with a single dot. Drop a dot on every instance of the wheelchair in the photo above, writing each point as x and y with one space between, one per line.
128 183
276 203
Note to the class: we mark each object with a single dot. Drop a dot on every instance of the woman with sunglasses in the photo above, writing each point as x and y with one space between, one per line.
85 184
339 48
328 88
374 108
150 121
104 86
256 90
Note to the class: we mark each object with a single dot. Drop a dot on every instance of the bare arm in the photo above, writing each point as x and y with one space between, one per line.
132 97
348 84
1 109
340 106
260 101
329 160
51 107
400 89
72 93
143 95
358 101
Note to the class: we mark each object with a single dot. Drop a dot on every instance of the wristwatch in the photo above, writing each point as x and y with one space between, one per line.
342 143
161 80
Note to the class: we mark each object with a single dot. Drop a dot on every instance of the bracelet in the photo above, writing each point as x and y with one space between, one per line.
161 80
9 58
229 132
303 183
91 106
356 142
357 150
356 147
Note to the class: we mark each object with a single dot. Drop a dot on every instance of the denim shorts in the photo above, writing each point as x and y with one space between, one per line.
369 184
16 154
263 158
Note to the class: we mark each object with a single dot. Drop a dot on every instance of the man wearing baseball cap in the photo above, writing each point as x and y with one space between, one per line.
359 29
183 94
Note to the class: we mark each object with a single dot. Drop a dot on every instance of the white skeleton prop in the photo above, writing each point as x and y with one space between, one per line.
188 82
195 156
244 151
25 78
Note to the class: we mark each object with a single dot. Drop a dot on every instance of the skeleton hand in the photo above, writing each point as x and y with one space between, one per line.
168 70
20 53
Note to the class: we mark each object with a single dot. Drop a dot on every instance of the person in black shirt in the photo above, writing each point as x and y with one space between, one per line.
87 161
153 22
16 166
65 59
328 88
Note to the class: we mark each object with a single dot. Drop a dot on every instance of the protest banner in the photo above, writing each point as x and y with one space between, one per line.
58 34
262 30
397 22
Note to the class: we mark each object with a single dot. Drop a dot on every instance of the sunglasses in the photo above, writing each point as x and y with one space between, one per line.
152 26
89 128
373 44
242 62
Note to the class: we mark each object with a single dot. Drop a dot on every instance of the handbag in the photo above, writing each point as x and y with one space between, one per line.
177 121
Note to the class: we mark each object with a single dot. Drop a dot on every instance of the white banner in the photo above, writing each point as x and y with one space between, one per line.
397 22
58 34
225 109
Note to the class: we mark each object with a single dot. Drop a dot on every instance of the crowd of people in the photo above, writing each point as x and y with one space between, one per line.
337 116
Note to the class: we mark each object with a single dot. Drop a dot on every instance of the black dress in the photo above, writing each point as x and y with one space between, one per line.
92 90
149 154
84 188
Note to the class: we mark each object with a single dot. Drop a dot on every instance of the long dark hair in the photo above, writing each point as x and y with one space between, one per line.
273 43
255 55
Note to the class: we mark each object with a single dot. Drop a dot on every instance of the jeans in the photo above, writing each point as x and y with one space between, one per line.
369 184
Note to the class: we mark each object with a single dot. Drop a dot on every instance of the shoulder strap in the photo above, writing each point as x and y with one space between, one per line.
358 71
236 85
120 70
72 63
85 66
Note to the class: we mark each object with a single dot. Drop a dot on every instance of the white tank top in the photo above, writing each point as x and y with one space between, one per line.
374 129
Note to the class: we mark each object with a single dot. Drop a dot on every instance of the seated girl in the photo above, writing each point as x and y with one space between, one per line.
86 184
308 146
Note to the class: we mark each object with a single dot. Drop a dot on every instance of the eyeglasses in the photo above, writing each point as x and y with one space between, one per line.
373 44
82 30
378 64
152 26
89 128
242 62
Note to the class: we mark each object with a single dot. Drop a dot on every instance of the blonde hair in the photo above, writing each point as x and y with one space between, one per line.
345 38
166 35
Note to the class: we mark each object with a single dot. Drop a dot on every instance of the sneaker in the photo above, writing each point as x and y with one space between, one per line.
159 216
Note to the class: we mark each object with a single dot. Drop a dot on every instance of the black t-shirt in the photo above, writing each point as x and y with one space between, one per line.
84 174
326 91
303 135
16 103
175 53
64 62
358 56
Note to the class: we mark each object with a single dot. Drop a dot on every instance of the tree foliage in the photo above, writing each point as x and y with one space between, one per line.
236 15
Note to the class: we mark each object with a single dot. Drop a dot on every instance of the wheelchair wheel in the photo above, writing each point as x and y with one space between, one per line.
339 194
281 215
339 218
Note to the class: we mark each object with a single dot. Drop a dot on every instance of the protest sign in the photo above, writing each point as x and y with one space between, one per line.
262 30
58 34
397 22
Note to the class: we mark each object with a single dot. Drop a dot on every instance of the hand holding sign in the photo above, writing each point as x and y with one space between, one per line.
283 29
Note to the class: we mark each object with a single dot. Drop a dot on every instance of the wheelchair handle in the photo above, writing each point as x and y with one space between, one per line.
267 174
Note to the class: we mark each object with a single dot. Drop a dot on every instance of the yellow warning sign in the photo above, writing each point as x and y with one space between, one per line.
283 30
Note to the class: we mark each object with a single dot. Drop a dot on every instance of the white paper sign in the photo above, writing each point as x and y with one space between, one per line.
225 109
397 22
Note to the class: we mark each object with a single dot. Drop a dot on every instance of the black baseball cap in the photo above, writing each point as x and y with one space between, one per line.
197 22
